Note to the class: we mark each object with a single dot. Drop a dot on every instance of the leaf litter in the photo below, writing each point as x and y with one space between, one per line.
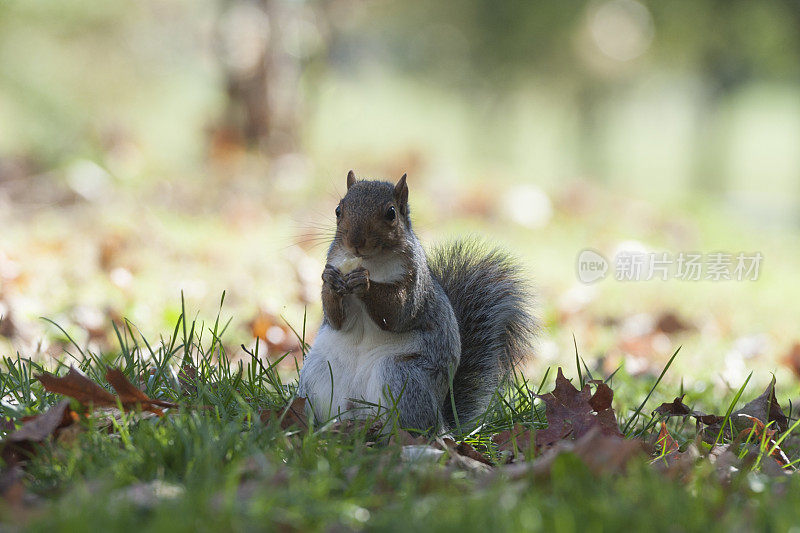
581 422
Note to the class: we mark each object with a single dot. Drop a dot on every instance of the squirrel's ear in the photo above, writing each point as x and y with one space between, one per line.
351 179
401 194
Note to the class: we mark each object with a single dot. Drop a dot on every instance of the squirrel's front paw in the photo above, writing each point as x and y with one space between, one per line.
358 281
332 277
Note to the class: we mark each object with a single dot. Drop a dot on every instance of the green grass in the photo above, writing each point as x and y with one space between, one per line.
213 465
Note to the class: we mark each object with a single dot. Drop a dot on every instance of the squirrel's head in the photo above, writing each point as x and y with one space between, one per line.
372 218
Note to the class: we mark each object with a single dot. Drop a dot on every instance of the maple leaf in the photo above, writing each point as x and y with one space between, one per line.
601 452
517 438
573 413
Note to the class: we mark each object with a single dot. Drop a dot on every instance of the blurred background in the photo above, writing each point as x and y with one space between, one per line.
160 146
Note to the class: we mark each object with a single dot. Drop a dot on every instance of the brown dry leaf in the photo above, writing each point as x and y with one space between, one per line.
466 449
130 396
766 408
601 452
727 463
20 443
463 449
292 415
571 413
674 408
75 385
604 452
678 408
760 430
665 440
518 438
678 464
464 456
603 395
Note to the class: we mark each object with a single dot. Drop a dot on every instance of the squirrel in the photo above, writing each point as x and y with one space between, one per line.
428 338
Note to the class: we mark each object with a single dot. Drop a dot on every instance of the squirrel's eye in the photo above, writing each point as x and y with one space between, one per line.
338 211
391 213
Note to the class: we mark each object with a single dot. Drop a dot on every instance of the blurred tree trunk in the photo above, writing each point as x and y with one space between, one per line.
260 45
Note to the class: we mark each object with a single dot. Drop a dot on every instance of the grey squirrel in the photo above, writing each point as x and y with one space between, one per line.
401 327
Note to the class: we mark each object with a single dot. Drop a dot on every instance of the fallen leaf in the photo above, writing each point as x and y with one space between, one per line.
603 395
19 444
678 464
293 414
463 449
760 430
665 440
467 450
130 396
678 408
766 408
516 439
674 408
76 385
465 457
571 412
727 463
601 452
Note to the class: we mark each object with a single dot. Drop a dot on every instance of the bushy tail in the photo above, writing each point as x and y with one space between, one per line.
492 305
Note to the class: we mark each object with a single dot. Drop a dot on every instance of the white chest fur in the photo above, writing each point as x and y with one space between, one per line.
343 374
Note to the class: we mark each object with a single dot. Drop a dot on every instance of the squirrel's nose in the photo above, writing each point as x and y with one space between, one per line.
358 241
